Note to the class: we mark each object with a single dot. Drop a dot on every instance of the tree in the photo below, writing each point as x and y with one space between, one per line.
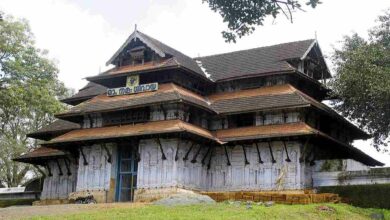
29 93
362 80
243 16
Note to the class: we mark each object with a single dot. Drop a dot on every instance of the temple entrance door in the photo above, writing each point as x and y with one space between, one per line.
127 173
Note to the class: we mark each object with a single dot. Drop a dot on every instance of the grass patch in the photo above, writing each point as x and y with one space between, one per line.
225 211
11 202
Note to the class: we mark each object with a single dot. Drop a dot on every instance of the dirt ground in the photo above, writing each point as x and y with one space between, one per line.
22 212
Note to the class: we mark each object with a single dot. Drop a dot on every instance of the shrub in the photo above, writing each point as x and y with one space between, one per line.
368 196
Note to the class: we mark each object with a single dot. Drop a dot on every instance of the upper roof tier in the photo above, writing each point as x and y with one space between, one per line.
141 53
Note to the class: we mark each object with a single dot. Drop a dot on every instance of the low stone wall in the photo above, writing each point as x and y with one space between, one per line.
51 202
20 195
278 197
361 177
101 196
283 197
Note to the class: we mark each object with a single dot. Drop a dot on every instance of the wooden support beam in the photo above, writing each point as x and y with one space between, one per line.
83 155
196 155
163 157
258 153
285 149
48 169
67 162
270 151
59 168
246 159
177 150
204 157
188 152
109 156
227 156
211 155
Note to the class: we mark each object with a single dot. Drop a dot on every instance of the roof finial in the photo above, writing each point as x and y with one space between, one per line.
135 27
315 35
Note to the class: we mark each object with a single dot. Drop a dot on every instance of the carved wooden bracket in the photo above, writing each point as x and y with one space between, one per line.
188 152
211 155
285 148
196 155
204 157
67 165
177 150
270 151
163 157
258 153
246 159
227 156
59 168
83 155
48 170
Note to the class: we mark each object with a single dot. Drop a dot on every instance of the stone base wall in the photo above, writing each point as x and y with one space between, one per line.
51 202
362 177
287 197
101 196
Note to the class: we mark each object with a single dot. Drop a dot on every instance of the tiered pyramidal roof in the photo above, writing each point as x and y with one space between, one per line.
242 92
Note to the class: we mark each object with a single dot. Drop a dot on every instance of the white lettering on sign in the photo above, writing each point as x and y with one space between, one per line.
132 90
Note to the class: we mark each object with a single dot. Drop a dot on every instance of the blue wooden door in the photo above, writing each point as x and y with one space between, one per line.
127 173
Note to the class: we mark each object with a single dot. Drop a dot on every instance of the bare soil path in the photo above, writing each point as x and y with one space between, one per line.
22 212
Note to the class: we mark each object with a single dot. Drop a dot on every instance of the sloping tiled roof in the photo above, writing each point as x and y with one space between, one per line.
148 128
171 62
87 92
254 61
57 127
265 131
181 58
178 59
40 153
271 97
166 93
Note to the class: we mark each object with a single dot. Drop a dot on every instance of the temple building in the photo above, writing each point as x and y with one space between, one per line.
160 122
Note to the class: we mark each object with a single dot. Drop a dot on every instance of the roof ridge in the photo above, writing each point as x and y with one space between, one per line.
250 49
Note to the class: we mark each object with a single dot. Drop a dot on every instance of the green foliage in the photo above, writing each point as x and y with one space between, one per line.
332 165
370 196
218 211
29 92
363 80
243 16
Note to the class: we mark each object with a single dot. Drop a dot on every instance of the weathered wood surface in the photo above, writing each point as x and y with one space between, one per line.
56 186
155 172
96 175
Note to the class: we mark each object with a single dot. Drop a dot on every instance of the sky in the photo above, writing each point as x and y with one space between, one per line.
81 35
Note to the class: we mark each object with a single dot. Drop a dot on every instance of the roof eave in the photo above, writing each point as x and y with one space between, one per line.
256 75
95 79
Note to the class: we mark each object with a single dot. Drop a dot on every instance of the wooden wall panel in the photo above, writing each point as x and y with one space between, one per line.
96 175
56 186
